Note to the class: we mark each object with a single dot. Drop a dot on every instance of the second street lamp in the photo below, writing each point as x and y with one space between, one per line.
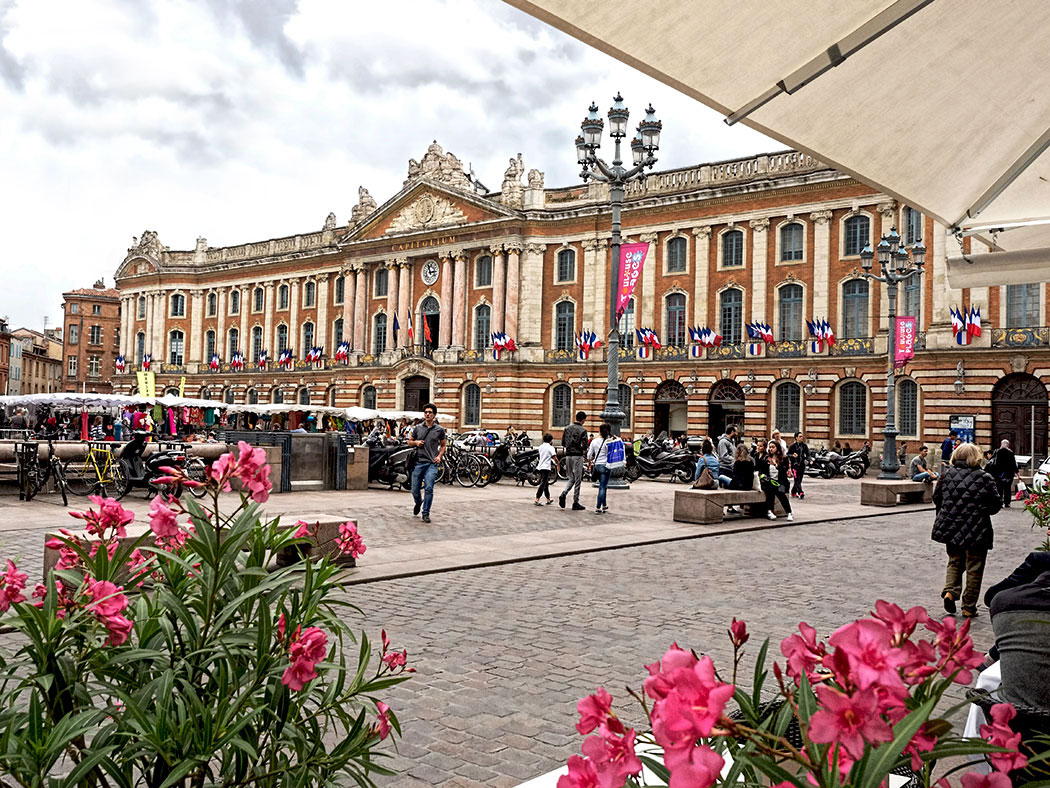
896 265
643 148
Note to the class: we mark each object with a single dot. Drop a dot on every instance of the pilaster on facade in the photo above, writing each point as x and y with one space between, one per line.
321 333
349 275
821 264
393 283
701 268
361 294
448 274
404 295
759 269
196 327
646 316
459 298
160 314
499 286
530 310
222 347
246 307
513 288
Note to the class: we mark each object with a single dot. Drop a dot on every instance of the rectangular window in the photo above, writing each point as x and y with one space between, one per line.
94 367
1022 305
627 326
72 366
566 265
564 326
912 226
381 280
95 335
676 320
855 309
483 272
791 313
74 334
74 309
733 249
235 302
96 309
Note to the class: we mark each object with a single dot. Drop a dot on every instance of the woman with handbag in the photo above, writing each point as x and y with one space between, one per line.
598 456
775 476
706 474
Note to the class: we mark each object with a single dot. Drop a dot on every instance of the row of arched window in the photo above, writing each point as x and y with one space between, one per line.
276 395
852 407
177 342
177 301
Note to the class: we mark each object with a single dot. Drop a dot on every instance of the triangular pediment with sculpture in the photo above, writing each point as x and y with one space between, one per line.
438 194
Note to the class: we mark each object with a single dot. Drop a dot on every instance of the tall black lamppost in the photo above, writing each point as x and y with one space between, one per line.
645 143
897 266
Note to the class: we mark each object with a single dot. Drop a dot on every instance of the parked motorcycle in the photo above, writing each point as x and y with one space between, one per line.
520 466
829 464
654 460
391 465
142 472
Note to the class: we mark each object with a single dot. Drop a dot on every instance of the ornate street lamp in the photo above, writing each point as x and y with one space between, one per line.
643 147
897 266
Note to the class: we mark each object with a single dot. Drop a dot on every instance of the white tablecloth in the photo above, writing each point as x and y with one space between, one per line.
989 679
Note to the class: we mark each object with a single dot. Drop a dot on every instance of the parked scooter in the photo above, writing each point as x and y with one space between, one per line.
653 461
520 466
391 465
142 472
829 464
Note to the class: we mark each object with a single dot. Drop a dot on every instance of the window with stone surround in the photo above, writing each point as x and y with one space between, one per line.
853 408
482 327
788 407
177 347
909 303
257 343
142 308
676 256
381 282
675 334
234 343
258 297
252 397
912 226
564 325
340 289
1022 305
94 335
94 367
379 334
368 397
731 305
282 339
277 396
483 271
209 345
472 405
790 297
308 337
72 366
304 396
178 305
566 265
282 297
140 347
235 302
309 294
733 249
908 407
561 405
337 333
857 229
791 242
855 309
213 304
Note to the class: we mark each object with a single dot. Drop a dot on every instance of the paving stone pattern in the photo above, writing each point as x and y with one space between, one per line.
503 653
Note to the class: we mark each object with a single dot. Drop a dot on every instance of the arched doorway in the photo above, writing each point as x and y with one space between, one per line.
417 392
1019 414
429 322
725 406
671 409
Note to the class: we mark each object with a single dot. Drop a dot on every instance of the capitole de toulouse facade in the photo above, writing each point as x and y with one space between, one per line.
769 239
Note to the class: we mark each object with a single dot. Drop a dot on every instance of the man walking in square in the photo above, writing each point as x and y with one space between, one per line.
574 441
429 440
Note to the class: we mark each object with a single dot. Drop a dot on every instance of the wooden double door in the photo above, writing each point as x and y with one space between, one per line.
1019 414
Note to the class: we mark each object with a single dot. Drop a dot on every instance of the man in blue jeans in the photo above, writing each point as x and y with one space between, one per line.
919 471
429 440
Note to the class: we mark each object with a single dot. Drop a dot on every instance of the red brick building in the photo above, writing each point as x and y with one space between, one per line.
5 357
91 334
770 238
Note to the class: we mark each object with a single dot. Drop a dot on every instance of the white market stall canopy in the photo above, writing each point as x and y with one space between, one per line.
944 104
99 401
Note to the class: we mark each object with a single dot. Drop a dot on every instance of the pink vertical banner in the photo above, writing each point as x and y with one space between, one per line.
632 258
904 333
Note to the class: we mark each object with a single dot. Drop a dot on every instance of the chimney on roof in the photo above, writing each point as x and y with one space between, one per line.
100 284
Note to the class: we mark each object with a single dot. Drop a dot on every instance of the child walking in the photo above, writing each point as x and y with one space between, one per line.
543 465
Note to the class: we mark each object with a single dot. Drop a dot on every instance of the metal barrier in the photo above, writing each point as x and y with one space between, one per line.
259 438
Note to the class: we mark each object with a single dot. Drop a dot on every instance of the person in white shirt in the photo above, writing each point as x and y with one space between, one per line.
548 458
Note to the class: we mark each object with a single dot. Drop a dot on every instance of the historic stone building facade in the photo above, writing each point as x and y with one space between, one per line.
770 238
91 338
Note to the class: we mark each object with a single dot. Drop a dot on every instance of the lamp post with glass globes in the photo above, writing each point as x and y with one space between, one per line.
897 266
645 143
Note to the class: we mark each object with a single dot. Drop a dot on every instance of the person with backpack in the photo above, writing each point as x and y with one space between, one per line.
1003 468
574 441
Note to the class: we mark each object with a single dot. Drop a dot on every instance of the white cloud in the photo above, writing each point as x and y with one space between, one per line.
242 120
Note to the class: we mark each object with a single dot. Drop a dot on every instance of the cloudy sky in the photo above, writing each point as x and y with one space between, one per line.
248 119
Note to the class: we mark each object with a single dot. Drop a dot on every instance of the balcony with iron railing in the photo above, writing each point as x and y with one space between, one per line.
1020 337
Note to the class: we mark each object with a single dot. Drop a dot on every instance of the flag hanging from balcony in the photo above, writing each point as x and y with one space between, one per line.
961 325
410 328
586 341
501 343
426 330
285 358
314 354
237 361
263 356
754 347
975 321
121 364
146 361
213 365
632 258
648 341
397 327
695 348
342 353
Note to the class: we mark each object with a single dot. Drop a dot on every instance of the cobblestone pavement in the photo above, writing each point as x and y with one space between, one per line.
503 653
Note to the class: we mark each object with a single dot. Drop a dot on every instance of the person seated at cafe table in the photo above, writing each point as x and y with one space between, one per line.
919 471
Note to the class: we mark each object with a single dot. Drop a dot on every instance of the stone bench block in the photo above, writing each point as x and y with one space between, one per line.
879 492
707 507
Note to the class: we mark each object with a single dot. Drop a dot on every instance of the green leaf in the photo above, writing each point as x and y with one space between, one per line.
873 768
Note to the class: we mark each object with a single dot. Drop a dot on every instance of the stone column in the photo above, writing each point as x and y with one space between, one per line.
220 325
124 303
459 301
361 310
404 301
349 294
499 286
510 320
529 309
246 304
321 333
392 284
268 310
822 267
936 276
293 319
702 242
196 328
759 238
646 316
160 314
447 310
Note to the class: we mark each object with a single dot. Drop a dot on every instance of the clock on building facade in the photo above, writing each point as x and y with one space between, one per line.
430 272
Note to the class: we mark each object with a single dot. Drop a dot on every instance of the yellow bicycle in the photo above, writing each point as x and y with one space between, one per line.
99 472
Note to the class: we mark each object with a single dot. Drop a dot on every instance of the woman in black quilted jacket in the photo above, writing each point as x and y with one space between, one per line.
966 497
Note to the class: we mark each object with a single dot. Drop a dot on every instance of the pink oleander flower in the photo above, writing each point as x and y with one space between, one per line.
308 647
690 708
955 647
348 541
222 470
613 757
302 529
922 741
658 685
111 516
384 639
870 658
280 627
108 603
901 624
917 661
803 652
993 780
396 659
849 720
162 520
253 472
12 584
382 720
694 767
1001 734
593 710
581 774
738 633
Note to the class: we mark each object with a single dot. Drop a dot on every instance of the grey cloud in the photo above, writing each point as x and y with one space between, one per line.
11 71
263 21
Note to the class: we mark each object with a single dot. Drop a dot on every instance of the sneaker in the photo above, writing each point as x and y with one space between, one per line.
949 604
791 517
561 500
426 518
549 502
771 516
605 508
597 511
416 508
577 508
539 504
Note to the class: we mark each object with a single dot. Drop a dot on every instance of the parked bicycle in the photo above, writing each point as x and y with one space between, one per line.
34 475
98 472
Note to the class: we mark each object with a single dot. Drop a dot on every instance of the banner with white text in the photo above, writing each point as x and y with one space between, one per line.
632 258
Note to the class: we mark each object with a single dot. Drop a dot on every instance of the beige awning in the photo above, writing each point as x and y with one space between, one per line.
944 104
